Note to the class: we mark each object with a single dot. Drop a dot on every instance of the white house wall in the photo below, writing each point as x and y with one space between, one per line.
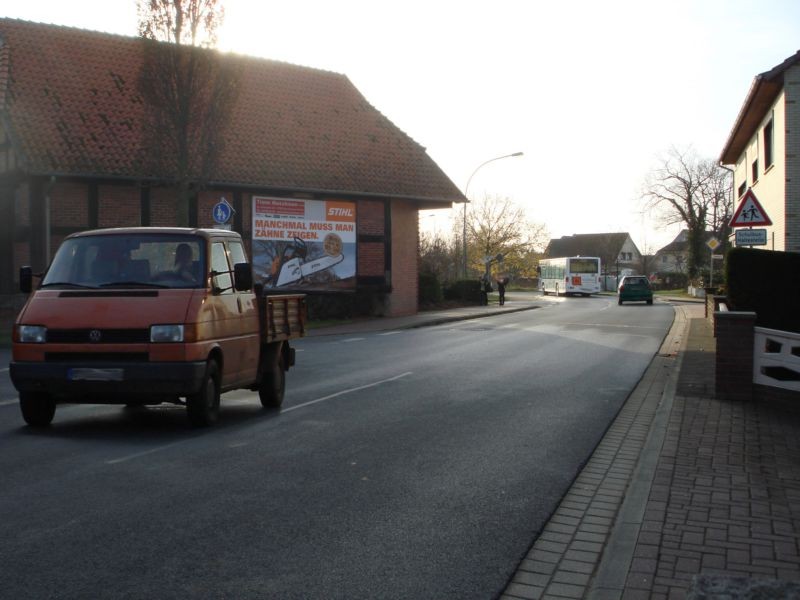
770 187
777 188
630 248
791 143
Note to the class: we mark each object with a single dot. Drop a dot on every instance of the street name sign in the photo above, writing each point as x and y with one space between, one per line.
749 212
751 237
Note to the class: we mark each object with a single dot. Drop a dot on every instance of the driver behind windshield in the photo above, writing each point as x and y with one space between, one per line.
183 263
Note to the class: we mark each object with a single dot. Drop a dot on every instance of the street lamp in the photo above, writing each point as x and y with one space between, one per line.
466 191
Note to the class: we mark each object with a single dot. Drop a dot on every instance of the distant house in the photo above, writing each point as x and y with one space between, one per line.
618 254
674 257
764 150
71 139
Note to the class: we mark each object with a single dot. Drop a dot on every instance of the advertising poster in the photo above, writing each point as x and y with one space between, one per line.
304 244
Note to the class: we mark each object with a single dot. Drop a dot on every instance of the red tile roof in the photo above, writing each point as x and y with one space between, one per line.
70 102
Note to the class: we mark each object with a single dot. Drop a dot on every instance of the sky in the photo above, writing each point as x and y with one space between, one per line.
592 93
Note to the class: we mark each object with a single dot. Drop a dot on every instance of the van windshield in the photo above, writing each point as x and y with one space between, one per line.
135 260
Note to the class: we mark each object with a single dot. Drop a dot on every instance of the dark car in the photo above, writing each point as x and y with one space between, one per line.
634 288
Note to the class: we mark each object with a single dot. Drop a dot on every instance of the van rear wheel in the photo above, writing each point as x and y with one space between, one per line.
38 408
203 407
273 386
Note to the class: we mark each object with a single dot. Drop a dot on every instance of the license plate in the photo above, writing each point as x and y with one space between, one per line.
95 374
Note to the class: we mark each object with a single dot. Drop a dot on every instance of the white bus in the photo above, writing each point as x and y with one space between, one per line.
570 275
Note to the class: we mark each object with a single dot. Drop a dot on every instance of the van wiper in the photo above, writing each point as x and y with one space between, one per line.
68 284
132 283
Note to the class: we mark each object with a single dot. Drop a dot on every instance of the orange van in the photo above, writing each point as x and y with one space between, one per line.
147 315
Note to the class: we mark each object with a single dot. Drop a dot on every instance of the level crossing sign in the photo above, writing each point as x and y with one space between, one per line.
749 212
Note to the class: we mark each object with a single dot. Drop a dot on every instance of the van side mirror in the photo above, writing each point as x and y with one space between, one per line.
242 277
25 280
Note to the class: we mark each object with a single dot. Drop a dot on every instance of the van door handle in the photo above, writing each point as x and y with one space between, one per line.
239 303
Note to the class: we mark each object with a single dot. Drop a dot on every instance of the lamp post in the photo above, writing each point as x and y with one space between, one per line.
466 191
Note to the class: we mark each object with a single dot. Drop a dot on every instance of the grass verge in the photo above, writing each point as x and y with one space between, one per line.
679 293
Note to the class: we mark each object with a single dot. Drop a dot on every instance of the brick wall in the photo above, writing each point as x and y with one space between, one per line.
370 217
371 259
68 206
163 211
118 206
405 241
734 355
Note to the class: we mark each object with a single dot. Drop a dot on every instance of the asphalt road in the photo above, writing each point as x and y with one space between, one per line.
412 464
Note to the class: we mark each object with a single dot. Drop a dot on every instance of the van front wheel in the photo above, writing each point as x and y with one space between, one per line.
37 408
273 386
203 407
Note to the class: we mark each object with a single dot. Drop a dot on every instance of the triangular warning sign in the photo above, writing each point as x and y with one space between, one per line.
750 213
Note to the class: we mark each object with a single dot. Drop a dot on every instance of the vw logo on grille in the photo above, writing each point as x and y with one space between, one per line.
95 335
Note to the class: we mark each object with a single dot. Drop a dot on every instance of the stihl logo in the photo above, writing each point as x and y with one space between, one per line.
340 212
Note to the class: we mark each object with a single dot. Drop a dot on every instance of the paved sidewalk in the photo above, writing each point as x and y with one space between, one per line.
685 497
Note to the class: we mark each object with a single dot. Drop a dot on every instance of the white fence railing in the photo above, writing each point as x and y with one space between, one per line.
776 358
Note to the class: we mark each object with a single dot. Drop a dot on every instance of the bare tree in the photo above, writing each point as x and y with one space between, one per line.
438 256
719 192
499 231
688 190
648 263
189 92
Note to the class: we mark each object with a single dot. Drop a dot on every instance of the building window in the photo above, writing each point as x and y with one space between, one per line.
755 170
768 145
742 188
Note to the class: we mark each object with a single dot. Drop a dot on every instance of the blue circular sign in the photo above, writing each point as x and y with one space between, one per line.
222 212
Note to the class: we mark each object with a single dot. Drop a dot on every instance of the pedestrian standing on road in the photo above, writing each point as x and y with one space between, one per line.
501 289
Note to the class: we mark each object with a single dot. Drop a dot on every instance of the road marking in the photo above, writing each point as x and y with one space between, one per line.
117 461
390 332
348 340
3 370
343 392
8 402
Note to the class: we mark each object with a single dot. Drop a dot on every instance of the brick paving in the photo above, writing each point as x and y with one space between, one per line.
710 489
725 497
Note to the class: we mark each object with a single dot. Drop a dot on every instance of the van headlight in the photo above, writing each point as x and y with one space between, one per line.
166 333
31 334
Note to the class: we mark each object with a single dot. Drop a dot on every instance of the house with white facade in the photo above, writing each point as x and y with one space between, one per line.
674 257
763 150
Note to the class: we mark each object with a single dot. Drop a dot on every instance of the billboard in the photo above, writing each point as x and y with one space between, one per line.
304 244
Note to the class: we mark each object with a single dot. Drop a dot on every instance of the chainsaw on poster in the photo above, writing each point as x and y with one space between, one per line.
293 265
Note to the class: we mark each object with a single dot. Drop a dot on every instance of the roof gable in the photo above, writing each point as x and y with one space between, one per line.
587 244
73 107
680 244
763 91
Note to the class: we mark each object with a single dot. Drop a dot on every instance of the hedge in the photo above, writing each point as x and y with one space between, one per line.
767 283
465 290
